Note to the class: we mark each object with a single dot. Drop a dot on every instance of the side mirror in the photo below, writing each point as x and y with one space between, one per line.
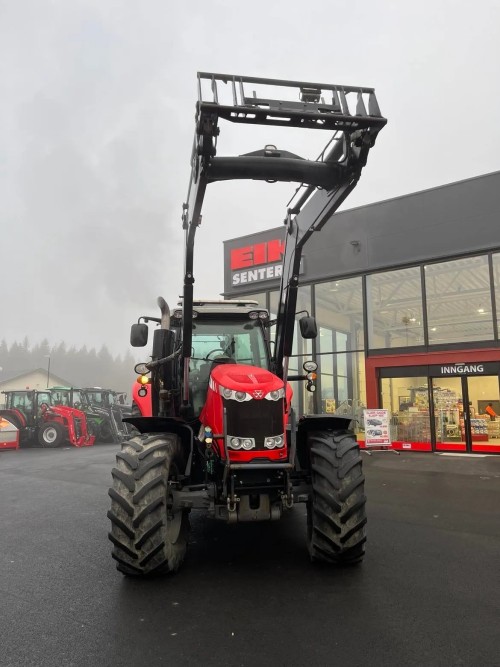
139 335
308 327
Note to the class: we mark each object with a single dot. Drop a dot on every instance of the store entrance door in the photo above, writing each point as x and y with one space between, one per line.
484 398
461 406
449 395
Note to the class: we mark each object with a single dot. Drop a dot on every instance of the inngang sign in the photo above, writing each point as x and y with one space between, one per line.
257 262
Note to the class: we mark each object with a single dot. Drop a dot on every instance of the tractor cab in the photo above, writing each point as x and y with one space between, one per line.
29 404
69 396
224 333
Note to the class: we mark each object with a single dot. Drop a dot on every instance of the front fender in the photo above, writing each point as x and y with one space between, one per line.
322 422
166 425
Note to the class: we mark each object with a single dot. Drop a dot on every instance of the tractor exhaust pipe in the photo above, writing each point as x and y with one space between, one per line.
165 313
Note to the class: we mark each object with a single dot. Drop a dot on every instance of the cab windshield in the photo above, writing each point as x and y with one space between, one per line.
101 399
242 341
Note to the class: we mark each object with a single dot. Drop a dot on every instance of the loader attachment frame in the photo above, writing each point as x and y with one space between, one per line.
351 113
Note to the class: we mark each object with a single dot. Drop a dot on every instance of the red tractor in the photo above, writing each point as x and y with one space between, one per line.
34 414
218 432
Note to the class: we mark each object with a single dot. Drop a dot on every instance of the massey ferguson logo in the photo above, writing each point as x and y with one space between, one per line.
258 393
462 369
257 262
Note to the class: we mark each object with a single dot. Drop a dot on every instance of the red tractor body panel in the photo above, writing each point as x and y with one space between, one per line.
9 434
141 396
249 410
15 416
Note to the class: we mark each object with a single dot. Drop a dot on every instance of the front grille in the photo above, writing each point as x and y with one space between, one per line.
254 419
78 427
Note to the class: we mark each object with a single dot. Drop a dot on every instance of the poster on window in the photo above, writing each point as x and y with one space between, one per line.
377 431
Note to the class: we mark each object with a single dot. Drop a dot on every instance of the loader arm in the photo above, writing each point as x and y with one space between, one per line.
353 116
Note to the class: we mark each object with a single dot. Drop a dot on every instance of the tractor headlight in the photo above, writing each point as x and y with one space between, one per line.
276 394
273 441
231 394
310 366
240 443
235 443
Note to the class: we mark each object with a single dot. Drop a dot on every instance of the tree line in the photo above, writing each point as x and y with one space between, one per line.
81 367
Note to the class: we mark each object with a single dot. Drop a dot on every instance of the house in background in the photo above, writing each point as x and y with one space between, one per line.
37 379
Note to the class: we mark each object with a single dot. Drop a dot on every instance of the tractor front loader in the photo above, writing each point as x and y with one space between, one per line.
218 432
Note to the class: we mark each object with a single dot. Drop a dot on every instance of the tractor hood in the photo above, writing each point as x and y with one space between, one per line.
249 379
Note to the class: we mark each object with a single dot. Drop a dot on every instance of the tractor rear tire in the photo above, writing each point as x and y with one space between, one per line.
336 512
148 537
51 435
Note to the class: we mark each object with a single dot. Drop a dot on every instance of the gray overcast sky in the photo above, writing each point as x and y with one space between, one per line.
96 125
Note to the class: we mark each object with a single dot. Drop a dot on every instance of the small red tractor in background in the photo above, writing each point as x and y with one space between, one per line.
34 414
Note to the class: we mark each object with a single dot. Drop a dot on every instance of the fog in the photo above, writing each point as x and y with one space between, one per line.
96 128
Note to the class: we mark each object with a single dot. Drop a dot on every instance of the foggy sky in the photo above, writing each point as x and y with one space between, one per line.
96 126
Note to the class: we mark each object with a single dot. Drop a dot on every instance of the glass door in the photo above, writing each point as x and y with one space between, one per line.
452 423
484 410
407 399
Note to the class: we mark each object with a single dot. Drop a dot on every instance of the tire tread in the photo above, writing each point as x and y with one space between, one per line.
336 507
146 541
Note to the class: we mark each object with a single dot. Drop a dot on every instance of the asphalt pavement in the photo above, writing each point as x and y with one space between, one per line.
428 592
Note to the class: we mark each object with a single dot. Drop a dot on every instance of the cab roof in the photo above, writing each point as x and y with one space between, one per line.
212 307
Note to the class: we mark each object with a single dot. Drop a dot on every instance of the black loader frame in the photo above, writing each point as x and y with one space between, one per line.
325 182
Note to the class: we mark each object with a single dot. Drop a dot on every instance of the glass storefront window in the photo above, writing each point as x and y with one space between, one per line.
335 380
459 301
339 315
496 279
394 305
341 387
301 346
302 400
407 399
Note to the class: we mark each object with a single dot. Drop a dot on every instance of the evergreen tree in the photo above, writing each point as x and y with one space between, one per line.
80 367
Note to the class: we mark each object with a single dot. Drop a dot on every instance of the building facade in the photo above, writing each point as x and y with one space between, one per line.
406 294
37 379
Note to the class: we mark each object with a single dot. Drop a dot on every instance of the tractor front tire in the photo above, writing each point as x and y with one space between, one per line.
51 435
149 537
336 512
